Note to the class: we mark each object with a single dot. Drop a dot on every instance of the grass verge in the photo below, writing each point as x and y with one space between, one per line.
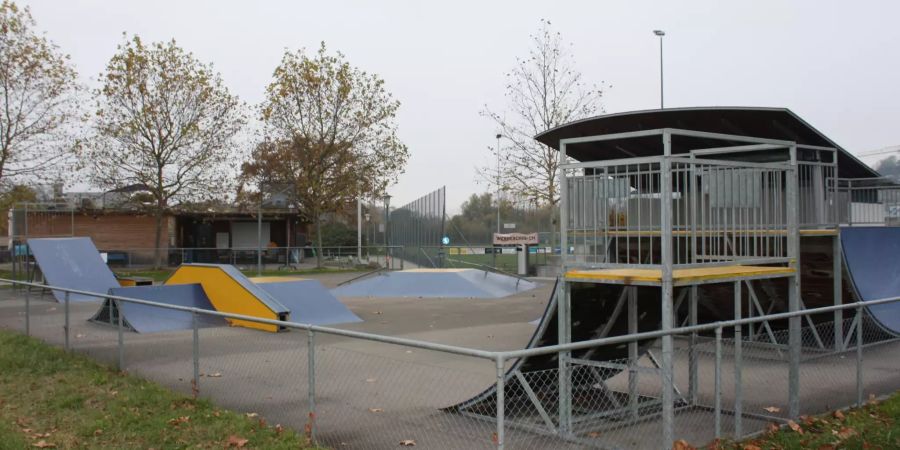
874 426
51 399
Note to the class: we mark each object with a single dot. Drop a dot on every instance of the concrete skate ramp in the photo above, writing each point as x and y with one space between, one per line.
151 319
435 283
72 263
594 314
872 258
230 291
308 301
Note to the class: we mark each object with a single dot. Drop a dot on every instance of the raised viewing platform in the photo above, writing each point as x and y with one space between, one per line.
680 277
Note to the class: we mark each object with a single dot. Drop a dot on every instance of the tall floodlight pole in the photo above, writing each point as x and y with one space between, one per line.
660 33
359 229
498 182
259 234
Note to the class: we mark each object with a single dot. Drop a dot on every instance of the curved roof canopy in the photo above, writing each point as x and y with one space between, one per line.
769 123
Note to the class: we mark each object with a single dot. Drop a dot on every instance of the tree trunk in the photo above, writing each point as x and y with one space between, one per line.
157 253
318 242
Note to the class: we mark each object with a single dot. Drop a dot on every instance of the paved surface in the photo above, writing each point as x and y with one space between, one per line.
373 395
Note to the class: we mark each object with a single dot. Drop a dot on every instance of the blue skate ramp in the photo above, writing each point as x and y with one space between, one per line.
72 263
872 259
152 319
309 302
436 283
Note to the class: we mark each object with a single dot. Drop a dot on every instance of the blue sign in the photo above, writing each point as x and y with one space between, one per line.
445 240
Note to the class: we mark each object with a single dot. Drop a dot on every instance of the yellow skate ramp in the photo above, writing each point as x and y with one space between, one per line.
230 291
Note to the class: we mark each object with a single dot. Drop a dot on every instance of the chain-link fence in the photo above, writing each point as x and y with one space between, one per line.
356 390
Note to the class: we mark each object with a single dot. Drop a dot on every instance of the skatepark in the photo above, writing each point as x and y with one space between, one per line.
682 319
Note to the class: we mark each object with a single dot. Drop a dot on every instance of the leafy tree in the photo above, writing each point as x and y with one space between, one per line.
477 221
543 91
38 93
889 167
334 130
166 121
319 178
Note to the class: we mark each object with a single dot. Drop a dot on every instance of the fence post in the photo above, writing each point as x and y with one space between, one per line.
66 326
28 311
195 389
501 404
859 356
738 364
718 383
311 384
120 326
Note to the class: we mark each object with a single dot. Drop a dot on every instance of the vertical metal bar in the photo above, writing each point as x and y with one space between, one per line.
738 364
27 310
718 383
836 275
311 382
793 253
501 404
859 356
565 336
66 326
120 329
195 352
668 398
632 351
692 350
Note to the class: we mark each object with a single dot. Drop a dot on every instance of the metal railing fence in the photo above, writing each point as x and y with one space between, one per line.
726 379
868 201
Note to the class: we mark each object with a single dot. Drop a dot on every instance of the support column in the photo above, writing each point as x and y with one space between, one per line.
564 317
692 351
632 351
738 364
837 275
667 286
794 323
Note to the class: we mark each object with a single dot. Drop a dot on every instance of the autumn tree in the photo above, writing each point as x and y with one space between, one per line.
320 178
543 90
336 117
166 121
38 103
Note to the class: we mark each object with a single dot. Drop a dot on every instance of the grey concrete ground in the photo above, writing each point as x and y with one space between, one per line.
373 395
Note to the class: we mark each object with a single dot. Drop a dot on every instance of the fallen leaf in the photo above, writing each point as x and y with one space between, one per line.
217 413
846 433
27 430
370 380
214 375
376 410
681 444
251 415
43 444
279 429
378 313
872 399
838 415
593 434
98 432
407 443
751 447
793 425
772 409
179 420
79 336
236 441
826 447
772 427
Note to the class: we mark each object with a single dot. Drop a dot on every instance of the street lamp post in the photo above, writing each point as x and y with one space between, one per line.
660 33
498 182
387 223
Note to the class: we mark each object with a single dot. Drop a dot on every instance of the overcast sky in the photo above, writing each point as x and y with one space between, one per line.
835 63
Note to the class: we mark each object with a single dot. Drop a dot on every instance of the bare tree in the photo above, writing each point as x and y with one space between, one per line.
333 112
165 121
543 91
38 104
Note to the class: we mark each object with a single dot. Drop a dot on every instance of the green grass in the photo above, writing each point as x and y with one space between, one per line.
874 426
72 402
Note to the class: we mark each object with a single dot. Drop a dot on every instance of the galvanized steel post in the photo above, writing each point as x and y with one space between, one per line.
120 326
838 292
66 326
501 404
718 383
27 310
794 323
196 353
667 257
311 383
859 356
738 364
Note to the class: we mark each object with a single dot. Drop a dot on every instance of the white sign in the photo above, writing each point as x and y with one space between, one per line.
515 239
509 226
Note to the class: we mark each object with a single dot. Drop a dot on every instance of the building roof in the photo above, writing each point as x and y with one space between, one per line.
769 123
